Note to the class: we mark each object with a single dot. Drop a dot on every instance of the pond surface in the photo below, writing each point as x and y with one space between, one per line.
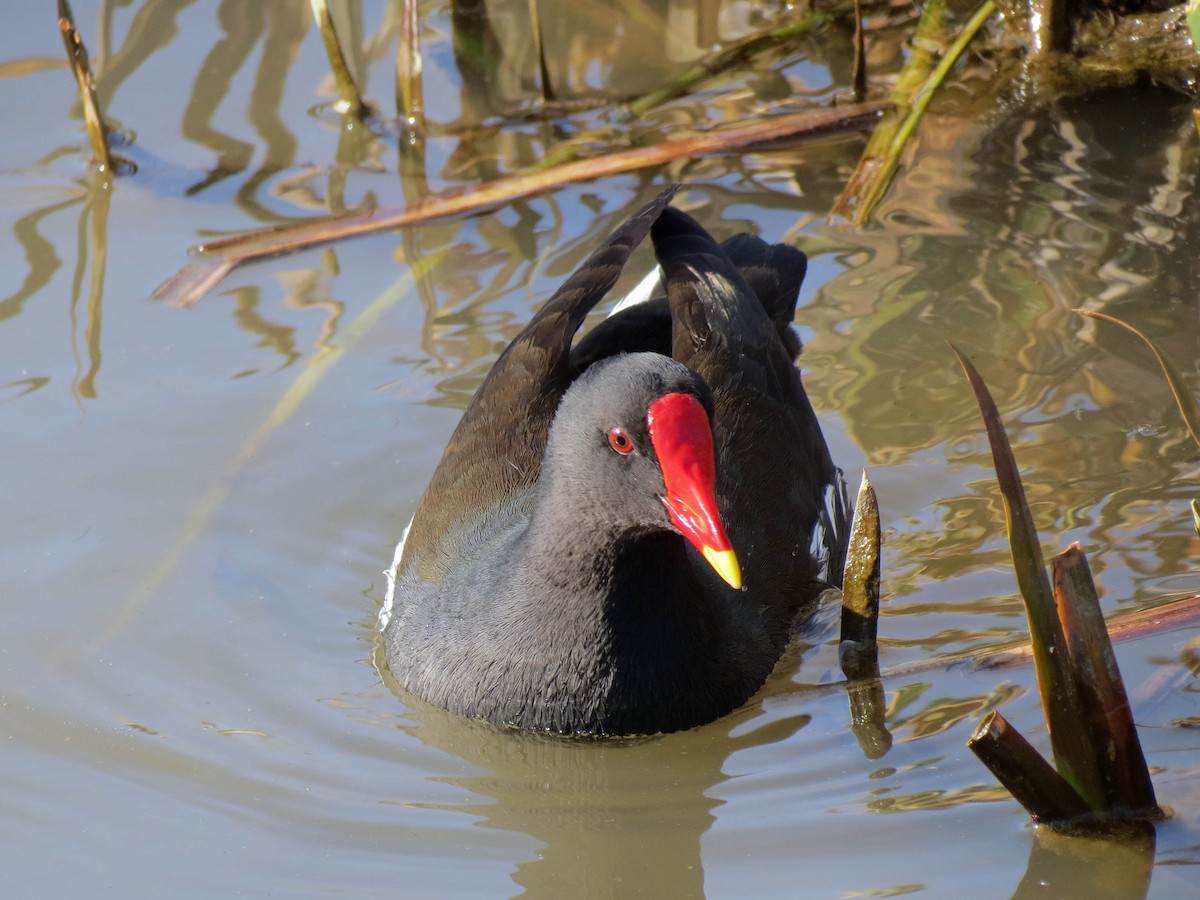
199 503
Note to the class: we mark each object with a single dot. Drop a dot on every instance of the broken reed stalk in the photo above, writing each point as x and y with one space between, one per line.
409 68
1109 725
912 94
868 711
349 98
860 579
195 279
860 55
93 252
1115 862
1096 748
77 55
858 650
539 49
1035 784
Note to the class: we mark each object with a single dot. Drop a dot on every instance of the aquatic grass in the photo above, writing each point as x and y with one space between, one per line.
93 118
1060 698
859 82
557 167
539 50
1179 389
411 162
350 99
736 54
1185 402
410 97
1095 744
197 278
919 80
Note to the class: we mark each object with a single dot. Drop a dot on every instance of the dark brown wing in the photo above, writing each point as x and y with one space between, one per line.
774 272
772 463
497 448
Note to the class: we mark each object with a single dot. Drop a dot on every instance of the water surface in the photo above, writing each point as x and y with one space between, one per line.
199 502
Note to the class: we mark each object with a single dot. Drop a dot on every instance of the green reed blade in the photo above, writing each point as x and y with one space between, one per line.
1073 755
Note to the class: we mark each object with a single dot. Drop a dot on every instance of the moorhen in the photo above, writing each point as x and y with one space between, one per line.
617 538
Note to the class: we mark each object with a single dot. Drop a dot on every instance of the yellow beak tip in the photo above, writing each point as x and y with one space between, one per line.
726 565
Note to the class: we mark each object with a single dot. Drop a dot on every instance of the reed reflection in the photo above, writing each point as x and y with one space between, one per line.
996 233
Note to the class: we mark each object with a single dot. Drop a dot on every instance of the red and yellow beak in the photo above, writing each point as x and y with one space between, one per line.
682 439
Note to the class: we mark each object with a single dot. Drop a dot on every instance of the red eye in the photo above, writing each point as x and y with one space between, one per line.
619 440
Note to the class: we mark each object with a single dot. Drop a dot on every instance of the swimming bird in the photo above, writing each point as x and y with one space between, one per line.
617 538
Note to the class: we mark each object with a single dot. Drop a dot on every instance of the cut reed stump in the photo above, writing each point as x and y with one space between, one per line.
858 650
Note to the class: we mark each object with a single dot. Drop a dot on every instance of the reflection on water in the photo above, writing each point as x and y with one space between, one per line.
1118 866
996 264
85 309
225 730
944 713
592 51
609 817
281 27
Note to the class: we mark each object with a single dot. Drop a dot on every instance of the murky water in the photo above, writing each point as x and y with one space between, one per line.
198 503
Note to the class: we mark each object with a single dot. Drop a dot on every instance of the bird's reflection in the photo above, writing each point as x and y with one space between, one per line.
611 816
